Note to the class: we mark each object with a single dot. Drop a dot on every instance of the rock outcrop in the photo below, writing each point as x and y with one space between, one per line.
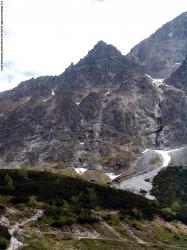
178 79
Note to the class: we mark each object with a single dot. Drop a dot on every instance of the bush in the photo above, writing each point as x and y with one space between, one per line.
9 183
64 220
4 232
70 199
3 243
168 214
4 237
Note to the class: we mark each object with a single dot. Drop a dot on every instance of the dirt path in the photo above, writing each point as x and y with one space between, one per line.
112 230
127 228
16 229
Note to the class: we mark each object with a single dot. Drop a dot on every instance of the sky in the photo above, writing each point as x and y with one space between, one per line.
43 37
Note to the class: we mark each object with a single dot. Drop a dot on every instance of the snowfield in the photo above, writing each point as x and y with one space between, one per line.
143 182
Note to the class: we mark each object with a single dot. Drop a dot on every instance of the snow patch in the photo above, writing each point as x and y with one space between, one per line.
138 183
145 150
77 103
28 98
80 170
177 63
166 158
52 92
160 82
1 115
156 81
47 99
112 176
171 34
107 93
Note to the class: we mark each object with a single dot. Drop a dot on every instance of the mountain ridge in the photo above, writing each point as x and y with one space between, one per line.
103 105
163 51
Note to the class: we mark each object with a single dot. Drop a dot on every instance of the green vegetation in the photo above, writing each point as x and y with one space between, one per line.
170 188
110 235
69 171
95 176
114 157
67 200
92 216
4 237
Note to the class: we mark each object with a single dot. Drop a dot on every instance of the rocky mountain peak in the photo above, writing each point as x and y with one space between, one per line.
102 54
102 49
103 65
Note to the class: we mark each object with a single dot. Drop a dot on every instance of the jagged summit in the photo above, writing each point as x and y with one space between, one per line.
102 49
101 65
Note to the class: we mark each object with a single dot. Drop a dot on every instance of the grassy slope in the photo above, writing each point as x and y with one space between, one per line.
155 236
108 218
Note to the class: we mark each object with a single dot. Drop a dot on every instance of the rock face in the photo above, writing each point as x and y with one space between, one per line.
174 107
77 117
163 52
179 78
104 107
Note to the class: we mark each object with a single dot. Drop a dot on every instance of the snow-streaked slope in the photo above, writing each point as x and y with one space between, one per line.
160 83
154 80
143 181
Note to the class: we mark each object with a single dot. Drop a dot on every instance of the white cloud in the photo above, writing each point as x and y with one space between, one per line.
44 37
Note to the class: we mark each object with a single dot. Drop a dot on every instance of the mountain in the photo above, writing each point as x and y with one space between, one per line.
163 52
101 112
75 116
105 118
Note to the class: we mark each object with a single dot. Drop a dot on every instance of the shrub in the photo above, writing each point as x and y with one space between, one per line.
3 243
4 232
4 237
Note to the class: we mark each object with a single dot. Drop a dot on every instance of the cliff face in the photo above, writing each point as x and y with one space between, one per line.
90 110
178 79
163 52
104 107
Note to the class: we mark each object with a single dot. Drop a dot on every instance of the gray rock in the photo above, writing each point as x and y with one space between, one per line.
178 79
99 107
162 53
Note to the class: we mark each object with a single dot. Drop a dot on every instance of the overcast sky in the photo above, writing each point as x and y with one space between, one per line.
42 37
